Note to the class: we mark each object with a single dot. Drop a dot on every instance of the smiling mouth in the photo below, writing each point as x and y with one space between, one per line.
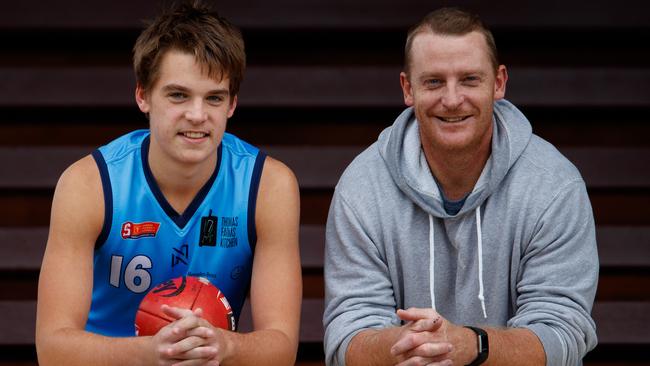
194 135
453 119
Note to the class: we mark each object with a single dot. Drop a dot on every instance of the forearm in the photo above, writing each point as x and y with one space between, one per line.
73 347
262 347
372 347
512 346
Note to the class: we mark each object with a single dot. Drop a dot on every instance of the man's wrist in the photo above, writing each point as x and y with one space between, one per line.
482 345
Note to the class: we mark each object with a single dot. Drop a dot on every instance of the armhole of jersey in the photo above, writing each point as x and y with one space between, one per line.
108 198
252 198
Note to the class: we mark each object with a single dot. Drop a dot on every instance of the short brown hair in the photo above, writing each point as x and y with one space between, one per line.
193 27
450 21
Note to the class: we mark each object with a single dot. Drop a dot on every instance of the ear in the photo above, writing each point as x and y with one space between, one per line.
141 99
233 105
406 89
500 82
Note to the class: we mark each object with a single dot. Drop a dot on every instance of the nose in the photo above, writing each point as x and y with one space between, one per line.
452 98
196 112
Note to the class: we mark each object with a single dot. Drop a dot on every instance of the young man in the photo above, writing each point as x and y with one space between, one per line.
461 215
182 198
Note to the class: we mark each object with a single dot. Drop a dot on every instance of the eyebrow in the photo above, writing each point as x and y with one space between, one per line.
176 87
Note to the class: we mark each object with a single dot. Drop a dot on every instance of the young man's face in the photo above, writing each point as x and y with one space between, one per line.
187 110
452 86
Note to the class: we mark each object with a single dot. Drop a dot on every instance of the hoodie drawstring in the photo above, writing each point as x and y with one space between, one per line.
480 261
432 293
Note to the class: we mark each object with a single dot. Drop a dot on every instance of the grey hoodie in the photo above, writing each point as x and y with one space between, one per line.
520 253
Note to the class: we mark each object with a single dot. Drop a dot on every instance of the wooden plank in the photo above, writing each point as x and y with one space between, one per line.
618 246
36 167
622 322
311 324
613 249
329 14
611 167
29 208
312 246
319 167
26 246
618 322
623 284
19 322
325 86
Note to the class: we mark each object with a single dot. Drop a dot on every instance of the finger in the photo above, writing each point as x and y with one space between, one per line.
441 363
198 312
201 331
415 361
185 324
175 312
412 314
199 353
169 334
407 343
425 325
196 363
436 351
184 346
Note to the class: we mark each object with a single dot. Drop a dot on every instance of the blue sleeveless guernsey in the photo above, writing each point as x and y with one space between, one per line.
145 242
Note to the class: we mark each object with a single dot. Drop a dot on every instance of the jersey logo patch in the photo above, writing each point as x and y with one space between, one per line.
208 230
180 255
132 230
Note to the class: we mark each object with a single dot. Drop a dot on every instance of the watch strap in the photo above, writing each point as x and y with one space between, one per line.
483 346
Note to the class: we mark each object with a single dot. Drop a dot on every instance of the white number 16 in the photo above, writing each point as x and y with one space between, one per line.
136 276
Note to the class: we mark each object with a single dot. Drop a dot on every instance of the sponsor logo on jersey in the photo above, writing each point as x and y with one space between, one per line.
180 255
134 230
208 230
210 276
228 232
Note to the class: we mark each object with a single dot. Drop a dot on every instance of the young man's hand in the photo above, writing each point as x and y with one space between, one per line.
187 341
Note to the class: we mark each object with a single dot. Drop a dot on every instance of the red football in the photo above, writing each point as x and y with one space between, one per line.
184 292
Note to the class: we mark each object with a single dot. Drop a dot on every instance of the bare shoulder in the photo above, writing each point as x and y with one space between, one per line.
78 198
278 192
277 175
82 173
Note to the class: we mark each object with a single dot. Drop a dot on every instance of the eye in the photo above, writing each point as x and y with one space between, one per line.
432 83
472 80
177 96
215 99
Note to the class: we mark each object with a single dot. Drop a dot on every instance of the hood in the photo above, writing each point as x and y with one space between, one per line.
401 150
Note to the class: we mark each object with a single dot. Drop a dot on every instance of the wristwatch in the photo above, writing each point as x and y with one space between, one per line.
483 346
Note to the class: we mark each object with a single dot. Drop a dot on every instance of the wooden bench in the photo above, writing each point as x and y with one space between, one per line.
618 247
618 322
324 86
322 82
327 15
319 167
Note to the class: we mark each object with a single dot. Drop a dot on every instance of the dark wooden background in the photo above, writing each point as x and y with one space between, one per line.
322 83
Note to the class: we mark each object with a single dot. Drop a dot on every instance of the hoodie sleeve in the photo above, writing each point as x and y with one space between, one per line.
558 276
353 302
